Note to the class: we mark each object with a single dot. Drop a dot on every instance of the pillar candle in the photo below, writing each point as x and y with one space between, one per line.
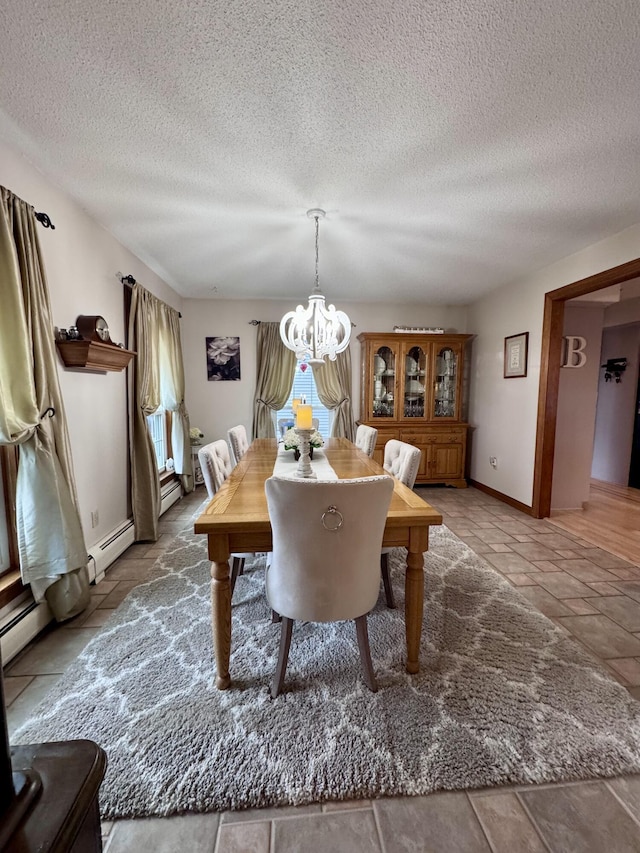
295 403
304 417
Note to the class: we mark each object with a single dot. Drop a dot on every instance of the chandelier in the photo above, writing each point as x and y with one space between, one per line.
318 330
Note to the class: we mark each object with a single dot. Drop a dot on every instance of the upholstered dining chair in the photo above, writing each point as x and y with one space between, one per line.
366 438
402 460
327 538
216 466
238 442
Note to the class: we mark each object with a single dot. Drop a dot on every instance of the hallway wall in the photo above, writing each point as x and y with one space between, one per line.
616 406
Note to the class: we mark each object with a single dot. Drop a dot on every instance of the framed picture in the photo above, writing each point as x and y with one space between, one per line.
223 359
515 355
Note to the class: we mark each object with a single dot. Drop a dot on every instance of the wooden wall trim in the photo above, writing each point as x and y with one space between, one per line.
501 497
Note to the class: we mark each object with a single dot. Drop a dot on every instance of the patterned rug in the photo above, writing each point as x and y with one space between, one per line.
503 697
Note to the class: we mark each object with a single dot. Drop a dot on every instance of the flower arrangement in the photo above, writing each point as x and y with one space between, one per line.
292 440
195 434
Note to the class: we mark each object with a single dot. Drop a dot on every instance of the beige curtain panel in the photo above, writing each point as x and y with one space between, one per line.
53 554
276 366
333 382
156 377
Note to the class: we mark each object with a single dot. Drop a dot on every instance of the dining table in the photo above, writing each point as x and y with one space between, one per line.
236 520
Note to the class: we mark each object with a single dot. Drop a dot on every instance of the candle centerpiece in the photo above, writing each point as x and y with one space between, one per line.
303 429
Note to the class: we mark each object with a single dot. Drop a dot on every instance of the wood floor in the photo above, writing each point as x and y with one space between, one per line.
610 521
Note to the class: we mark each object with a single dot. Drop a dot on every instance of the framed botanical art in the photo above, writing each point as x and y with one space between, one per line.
515 355
223 359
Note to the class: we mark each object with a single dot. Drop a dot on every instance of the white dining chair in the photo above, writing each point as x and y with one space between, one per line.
366 438
216 466
238 442
403 461
325 565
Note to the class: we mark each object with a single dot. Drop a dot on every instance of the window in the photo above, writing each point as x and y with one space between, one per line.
159 424
10 582
304 386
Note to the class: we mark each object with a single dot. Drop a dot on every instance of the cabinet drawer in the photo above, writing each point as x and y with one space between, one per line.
452 436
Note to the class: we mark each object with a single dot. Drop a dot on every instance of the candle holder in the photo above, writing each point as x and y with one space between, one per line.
304 464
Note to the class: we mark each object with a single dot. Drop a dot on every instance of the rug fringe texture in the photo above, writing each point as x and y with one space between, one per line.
503 696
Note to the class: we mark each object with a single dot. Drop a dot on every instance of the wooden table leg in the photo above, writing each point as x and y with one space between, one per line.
414 596
221 614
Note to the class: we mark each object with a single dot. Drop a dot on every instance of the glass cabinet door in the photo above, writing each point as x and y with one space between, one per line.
445 397
384 379
414 382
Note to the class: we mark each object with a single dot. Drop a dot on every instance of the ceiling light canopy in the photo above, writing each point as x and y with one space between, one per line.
317 331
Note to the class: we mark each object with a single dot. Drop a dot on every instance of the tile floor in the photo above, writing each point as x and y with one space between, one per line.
586 591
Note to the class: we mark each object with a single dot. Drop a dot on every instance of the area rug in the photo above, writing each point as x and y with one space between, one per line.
503 696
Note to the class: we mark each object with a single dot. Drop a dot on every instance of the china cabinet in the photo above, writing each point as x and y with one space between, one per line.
413 389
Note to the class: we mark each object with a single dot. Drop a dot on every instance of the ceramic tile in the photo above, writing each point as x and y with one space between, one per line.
629 668
439 823
545 602
195 833
244 838
630 588
603 588
564 586
53 653
585 571
627 789
507 563
545 565
122 589
584 818
625 611
602 635
246 815
604 559
335 832
346 805
518 579
534 551
13 687
506 824
24 705
580 606
555 541
493 536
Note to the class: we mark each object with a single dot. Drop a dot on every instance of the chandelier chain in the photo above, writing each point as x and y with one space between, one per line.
317 233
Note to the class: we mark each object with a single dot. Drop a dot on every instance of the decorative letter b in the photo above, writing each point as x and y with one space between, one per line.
574 352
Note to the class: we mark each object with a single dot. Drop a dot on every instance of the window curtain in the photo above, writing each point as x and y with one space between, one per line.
333 382
156 378
276 366
53 554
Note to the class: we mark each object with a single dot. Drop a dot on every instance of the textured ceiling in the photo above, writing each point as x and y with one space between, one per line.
455 145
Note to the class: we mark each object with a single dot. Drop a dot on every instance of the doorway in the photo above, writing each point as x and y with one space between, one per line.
551 350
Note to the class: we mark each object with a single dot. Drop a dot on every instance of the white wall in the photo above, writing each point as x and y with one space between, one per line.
81 259
504 411
577 398
616 406
216 406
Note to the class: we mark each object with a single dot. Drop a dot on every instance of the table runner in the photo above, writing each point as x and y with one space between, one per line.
286 465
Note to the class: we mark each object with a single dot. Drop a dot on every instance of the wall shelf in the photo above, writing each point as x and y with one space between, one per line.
93 355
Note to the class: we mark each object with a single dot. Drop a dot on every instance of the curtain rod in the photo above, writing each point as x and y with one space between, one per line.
43 218
129 280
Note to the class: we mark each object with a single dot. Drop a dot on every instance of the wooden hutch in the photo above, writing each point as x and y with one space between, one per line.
413 388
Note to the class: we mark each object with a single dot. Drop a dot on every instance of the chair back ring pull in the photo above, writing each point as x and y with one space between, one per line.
337 521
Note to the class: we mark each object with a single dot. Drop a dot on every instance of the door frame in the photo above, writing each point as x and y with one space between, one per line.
550 356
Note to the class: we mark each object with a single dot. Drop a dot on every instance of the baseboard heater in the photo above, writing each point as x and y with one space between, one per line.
171 493
109 549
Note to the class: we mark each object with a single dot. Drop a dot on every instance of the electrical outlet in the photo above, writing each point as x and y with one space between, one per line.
493 461
95 518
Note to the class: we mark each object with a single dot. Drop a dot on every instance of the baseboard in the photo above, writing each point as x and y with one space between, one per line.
22 627
499 496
